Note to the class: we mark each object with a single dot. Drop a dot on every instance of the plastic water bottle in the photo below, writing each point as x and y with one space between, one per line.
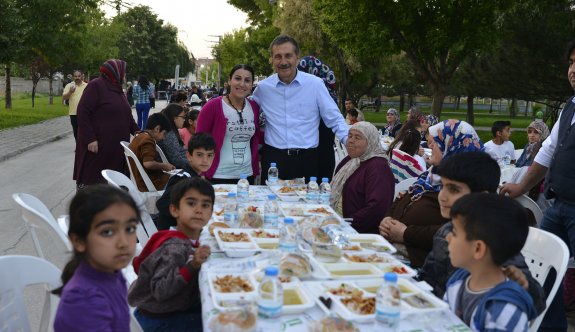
288 236
273 174
324 191
270 296
388 304
312 191
231 211
243 189
271 210
506 160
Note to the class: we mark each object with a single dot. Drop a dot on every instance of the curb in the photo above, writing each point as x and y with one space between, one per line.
34 145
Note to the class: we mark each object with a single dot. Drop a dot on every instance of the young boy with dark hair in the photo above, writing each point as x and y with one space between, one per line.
144 147
500 146
201 150
463 174
166 294
488 229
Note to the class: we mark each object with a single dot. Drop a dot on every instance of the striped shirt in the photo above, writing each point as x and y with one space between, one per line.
142 96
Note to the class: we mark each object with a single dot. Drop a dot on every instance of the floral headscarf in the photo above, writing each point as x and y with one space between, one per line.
114 70
532 148
431 119
452 137
373 150
316 67
541 128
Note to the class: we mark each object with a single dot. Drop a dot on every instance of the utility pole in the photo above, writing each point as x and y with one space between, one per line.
218 42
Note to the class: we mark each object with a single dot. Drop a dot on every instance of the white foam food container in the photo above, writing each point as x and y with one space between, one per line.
307 301
236 249
388 263
350 270
372 242
220 294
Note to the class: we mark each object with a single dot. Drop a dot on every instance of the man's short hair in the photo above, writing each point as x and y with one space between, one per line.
158 119
201 140
477 170
499 126
351 101
282 39
201 185
499 221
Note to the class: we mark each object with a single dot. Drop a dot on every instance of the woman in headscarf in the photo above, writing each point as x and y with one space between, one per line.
393 123
326 157
363 185
428 121
413 219
537 132
104 120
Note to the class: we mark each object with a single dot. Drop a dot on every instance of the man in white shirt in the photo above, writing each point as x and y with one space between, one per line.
293 103
73 92
500 146
555 159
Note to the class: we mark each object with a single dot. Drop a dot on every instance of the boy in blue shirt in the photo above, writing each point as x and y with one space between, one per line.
488 229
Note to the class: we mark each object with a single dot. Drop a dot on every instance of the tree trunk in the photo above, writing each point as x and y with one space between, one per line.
457 102
35 80
513 109
401 102
470 115
437 103
50 80
8 90
490 105
409 100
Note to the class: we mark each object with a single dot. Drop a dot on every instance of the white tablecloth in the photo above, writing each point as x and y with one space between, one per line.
443 320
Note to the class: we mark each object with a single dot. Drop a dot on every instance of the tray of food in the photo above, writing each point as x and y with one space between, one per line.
305 210
251 216
373 242
296 299
235 242
227 285
224 189
382 261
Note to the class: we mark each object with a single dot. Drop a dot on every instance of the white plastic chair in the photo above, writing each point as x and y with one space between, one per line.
162 154
518 153
140 169
37 215
339 150
16 273
531 205
543 251
121 181
403 186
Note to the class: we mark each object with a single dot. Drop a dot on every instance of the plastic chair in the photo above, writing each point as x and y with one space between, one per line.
403 186
518 153
162 154
543 251
121 181
140 168
16 273
339 150
37 215
531 205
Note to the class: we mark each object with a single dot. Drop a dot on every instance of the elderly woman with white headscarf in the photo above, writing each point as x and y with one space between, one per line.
363 185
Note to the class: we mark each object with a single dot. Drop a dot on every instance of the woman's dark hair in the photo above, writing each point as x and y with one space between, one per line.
143 82
83 208
171 112
408 135
191 115
180 95
244 67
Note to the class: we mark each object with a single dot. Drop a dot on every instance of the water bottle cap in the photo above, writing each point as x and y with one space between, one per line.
273 164
390 276
272 196
313 178
324 180
231 194
288 220
271 271
243 176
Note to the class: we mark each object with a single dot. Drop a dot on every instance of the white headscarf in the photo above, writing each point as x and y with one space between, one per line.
373 150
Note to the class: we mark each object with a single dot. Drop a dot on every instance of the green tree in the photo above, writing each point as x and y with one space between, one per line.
436 36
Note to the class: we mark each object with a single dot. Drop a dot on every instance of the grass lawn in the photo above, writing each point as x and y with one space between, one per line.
22 112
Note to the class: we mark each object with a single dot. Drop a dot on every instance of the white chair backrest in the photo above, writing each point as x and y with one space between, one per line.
140 168
37 215
162 154
16 273
544 251
339 150
403 186
531 205
518 153
120 180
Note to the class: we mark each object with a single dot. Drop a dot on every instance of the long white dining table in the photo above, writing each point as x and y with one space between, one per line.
219 262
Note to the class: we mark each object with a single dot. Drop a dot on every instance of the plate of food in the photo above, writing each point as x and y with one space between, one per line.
235 242
359 306
251 217
224 189
232 284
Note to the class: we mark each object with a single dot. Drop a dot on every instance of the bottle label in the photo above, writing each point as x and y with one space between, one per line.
287 247
387 318
272 179
271 220
269 312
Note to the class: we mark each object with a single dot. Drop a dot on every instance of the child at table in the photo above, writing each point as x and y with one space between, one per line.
463 174
102 230
201 151
488 229
166 294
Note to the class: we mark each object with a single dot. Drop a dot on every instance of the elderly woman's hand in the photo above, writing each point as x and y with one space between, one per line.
93 147
392 229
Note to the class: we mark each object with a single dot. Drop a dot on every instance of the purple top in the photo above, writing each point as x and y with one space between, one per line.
367 194
93 300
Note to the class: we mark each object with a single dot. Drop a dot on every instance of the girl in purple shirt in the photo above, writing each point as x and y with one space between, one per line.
103 222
